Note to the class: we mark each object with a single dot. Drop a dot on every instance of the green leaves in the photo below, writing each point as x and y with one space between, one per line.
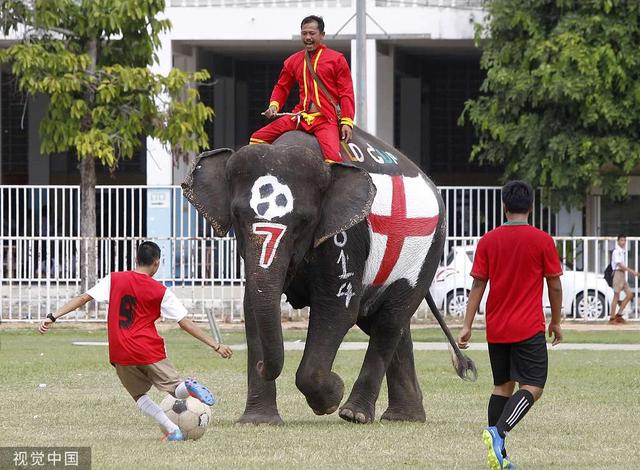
560 103
104 113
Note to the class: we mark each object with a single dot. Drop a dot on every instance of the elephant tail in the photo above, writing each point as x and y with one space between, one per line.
464 366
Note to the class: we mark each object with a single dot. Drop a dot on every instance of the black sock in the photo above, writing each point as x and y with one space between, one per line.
515 409
496 406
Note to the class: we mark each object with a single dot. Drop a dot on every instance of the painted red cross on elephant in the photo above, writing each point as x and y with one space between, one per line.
397 227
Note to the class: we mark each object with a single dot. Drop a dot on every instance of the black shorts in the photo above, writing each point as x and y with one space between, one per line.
525 362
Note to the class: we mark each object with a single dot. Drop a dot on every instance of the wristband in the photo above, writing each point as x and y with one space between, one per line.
52 318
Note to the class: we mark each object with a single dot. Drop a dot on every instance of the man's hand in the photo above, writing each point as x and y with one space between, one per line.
224 351
556 331
464 337
44 325
270 112
345 133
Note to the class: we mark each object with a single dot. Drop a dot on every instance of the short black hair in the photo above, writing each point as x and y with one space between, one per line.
148 252
517 197
622 235
311 19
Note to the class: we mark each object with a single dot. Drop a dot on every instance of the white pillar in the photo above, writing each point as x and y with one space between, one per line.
372 95
159 160
370 125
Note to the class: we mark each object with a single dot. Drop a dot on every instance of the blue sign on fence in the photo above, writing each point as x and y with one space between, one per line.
159 225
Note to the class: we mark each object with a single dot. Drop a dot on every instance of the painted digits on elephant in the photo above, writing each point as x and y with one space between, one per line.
357 242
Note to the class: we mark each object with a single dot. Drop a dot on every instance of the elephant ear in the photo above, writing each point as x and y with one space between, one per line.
207 189
347 201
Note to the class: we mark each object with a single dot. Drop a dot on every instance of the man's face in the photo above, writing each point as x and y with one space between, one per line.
622 242
311 36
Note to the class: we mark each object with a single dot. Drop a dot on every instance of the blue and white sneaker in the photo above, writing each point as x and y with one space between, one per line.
199 391
174 436
494 444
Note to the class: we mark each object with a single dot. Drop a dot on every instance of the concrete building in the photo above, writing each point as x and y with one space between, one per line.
422 66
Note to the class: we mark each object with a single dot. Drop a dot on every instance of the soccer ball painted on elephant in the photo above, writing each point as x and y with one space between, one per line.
357 242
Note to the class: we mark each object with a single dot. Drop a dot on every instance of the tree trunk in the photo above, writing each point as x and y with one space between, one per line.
88 254
88 260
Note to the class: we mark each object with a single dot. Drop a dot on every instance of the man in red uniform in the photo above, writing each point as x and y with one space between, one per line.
136 301
318 113
515 258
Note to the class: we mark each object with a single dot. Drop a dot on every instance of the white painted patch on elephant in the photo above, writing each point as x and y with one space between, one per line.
402 224
270 198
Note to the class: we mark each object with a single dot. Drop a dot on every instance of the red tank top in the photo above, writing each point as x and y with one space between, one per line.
134 306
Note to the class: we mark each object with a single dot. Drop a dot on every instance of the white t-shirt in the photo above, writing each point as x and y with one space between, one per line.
170 308
619 256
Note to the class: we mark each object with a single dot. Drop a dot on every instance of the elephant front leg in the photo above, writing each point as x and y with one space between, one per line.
336 290
323 388
261 406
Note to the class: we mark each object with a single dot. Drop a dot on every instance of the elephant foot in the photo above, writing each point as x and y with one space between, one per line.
327 411
323 398
260 418
417 415
356 414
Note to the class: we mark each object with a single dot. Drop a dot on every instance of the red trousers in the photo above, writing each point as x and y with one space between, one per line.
325 132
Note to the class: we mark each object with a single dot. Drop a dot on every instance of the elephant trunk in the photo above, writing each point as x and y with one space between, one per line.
263 293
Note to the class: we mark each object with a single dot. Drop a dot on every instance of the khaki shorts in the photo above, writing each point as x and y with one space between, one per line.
620 282
139 379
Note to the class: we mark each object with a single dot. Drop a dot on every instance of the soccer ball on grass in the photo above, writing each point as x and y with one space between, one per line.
191 415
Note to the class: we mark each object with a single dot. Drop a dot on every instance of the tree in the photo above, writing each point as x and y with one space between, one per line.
92 58
561 100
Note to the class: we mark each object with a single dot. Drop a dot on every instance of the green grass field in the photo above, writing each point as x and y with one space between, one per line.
587 418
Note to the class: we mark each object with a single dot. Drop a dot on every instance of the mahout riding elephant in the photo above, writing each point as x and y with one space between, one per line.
357 242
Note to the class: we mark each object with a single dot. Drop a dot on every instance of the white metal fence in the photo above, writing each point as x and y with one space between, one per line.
41 273
41 246
135 211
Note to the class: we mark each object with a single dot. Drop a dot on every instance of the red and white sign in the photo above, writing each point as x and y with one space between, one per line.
402 222
273 234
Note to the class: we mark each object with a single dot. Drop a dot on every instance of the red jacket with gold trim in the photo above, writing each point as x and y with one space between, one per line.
332 69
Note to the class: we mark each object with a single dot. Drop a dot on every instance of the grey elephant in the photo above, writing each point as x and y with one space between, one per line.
357 242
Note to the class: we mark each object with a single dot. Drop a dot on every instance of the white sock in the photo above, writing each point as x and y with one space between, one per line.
181 391
153 411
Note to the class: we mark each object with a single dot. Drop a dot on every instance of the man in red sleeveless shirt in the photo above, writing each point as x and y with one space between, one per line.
516 258
318 113
136 301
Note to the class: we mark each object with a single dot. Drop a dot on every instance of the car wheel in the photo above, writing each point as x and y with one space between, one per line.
456 304
590 307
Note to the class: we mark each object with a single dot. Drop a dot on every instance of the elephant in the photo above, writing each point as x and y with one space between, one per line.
358 242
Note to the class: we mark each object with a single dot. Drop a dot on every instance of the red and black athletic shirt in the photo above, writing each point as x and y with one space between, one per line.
515 258
136 301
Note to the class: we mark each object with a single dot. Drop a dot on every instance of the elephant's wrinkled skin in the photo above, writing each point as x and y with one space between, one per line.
322 235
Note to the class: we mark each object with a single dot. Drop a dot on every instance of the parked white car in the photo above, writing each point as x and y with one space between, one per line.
584 294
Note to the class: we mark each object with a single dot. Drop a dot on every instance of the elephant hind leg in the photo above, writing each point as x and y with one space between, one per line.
405 396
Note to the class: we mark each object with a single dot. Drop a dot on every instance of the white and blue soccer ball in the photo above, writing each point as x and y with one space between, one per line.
190 414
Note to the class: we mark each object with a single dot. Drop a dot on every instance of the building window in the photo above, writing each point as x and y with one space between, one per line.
620 217
15 132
